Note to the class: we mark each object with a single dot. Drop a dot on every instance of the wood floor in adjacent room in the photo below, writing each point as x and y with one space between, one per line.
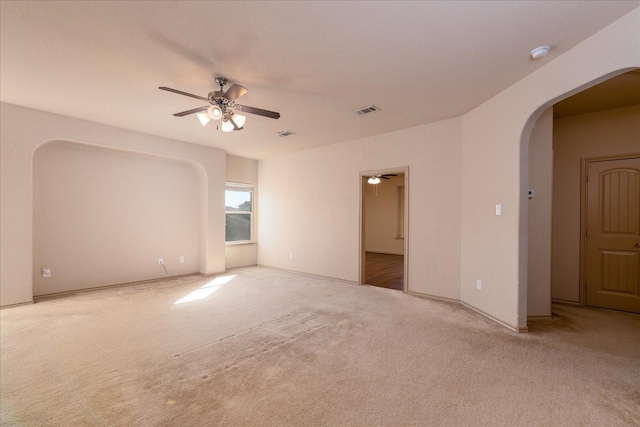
264 347
384 270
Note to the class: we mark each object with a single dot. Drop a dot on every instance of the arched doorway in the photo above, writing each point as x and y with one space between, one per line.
596 123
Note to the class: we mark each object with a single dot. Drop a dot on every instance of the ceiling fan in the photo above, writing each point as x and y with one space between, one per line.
375 179
221 106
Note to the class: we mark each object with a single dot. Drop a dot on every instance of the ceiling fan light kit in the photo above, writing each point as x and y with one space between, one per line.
214 112
239 119
375 179
227 126
221 106
204 118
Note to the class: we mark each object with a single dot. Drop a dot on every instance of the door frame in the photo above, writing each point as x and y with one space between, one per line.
584 168
361 246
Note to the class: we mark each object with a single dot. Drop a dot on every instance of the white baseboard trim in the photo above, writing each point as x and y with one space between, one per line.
240 266
351 282
215 273
54 295
494 319
433 297
20 304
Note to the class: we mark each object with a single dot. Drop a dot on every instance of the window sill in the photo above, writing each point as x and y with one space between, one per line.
242 242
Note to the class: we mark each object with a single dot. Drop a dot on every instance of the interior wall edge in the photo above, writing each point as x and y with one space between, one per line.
494 319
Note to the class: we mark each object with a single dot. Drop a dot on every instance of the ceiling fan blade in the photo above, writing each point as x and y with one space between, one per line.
195 110
389 174
258 111
179 92
234 92
384 177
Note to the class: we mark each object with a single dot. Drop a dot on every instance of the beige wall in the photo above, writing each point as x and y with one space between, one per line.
494 154
380 217
600 134
103 217
23 130
318 220
459 170
539 251
244 171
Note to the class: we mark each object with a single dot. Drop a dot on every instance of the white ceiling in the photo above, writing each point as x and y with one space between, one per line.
314 62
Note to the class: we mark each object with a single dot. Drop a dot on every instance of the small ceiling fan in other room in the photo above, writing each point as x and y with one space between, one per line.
375 179
221 106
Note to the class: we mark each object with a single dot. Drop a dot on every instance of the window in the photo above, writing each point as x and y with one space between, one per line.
238 213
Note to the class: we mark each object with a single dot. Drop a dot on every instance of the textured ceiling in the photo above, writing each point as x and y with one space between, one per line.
314 62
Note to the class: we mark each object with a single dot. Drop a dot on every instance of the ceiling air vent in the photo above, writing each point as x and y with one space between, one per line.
367 110
285 133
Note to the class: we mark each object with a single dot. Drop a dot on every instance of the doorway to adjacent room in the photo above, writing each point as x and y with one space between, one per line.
383 236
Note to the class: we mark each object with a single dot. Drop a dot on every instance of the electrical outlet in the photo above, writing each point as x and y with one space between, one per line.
290 255
46 271
160 261
479 284
498 209
181 259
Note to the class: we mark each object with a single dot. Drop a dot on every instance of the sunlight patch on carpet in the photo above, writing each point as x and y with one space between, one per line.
207 289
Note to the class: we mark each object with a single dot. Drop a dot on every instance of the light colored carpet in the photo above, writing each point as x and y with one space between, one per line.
276 348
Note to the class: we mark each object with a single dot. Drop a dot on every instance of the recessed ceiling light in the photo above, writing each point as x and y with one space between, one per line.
539 52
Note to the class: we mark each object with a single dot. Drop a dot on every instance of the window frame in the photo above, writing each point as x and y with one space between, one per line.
247 188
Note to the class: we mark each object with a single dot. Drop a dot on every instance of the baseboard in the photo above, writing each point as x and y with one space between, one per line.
215 273
384 253
564 302
240 266
97 288
494 319
433 297
16 305
351 282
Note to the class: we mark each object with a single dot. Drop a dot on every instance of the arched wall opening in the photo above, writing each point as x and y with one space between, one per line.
541 258
104 216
